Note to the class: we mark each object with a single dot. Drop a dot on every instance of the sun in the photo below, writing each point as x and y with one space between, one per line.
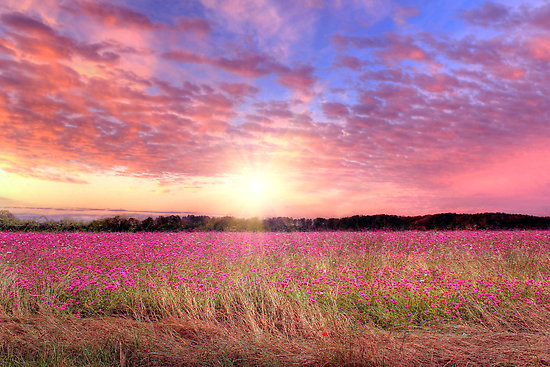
257 186
256 192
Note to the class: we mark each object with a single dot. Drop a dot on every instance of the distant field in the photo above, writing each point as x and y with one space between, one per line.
372 298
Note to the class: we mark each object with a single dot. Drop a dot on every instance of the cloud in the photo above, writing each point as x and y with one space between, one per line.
102 123
190 24
250 65
465 103
398 48
239 90
391 47
344 42
7 201
538 47
415 114
112 15
350 62
299 78
401 13
271 26
490 14
335 109
495 15
32 37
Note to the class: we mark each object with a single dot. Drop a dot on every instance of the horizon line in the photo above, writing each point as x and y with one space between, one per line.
158 213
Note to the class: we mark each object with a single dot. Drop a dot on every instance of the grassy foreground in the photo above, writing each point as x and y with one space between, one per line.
373 299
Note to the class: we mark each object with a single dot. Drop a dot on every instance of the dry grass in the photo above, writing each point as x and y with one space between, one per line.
68 341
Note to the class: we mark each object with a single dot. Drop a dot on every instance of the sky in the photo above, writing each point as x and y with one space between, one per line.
301 108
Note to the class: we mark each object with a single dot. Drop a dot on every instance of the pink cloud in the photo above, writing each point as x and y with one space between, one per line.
539 17
299 78
539 47
193 24
250 65
350 62
495 15
335 109
239 90
343 42
35 38
489 14
465 115
44 174
391 47
401 13
27 24
277 109
128 128
315 3
500 56
276 26
437 83
470 50
398 48
112 15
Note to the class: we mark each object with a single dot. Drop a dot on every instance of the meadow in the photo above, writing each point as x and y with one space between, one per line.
377 298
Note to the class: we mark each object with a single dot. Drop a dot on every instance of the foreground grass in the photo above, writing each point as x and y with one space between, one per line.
66 341
456 298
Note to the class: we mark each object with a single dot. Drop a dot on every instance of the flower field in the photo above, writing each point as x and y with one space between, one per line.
245 292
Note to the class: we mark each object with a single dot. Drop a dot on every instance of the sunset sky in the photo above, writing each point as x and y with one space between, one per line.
298 108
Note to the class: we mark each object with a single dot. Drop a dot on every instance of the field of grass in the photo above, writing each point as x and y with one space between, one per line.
373 298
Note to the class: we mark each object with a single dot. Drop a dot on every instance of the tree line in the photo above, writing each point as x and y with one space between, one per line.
175 223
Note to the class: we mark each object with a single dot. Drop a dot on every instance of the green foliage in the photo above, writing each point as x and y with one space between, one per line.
175 223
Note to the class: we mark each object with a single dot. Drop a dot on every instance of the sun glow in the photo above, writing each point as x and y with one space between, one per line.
256 192
258 187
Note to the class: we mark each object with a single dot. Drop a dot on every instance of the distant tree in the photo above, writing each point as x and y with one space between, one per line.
279 224
219 224
194 222
133 224
148 225
170 223
6 215
8 221
320 224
